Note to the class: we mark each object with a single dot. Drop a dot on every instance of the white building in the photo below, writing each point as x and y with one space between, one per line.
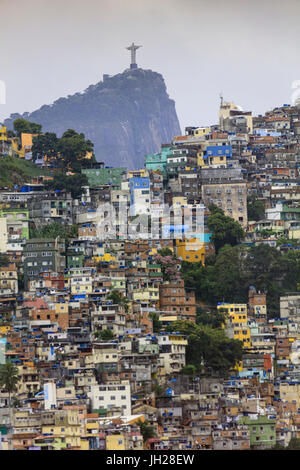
114 397
3 235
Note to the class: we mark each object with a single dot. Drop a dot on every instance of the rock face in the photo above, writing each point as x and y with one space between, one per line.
126 117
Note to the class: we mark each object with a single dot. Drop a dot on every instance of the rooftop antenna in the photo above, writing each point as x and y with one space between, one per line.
221 98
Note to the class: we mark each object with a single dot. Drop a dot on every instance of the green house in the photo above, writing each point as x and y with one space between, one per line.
262 431
104 176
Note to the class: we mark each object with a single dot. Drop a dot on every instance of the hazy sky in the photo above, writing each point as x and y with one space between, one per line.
249 50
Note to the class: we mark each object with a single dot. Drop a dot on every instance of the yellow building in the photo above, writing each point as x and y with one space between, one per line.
80 284
143 173
12 142
71 435
191 250
200 159
294 234
84 444
61 307
116 442
14 148
67 426
236 313
148 294
201 131
105 258
217 160
237 322
178 340
3 133
4 330
290 392
27 140
26 143
91 427
81 289
179 201
243 334
167 319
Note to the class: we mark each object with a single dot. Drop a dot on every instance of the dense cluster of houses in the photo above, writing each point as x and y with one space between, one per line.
78 316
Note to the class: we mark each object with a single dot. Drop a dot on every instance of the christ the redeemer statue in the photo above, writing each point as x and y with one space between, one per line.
133 49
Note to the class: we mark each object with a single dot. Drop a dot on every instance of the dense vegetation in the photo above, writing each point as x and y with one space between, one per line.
227 276
72 184
255 208
16 171
225 230
22 125
68 152
209 349
55 230
66 155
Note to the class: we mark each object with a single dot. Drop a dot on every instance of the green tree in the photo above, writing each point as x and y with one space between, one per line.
4 260
220 281
118 297
21 283
266 233
72 184
45 145
195 276
294 444
55 230
165 252
158 390
105 335
146 430
255 208
10 134
9 379
22 125
284 241
272 272
214 318
35 128
225 230
73 148
189 369
157 325
209 349
278 446
228 277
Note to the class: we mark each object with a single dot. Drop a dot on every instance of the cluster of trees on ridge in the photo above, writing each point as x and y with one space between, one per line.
69 152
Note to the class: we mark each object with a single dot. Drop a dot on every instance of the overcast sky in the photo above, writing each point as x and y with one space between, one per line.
248 50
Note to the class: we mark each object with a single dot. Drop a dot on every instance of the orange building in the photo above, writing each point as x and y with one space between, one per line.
61 318
173 298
